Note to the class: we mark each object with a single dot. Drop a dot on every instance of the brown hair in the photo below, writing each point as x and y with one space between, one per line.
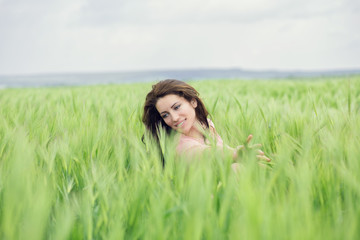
151 117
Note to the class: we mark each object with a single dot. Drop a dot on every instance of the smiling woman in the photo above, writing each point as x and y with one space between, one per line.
178 113
175 106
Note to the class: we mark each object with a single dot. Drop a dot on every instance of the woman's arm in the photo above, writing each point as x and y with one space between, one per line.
235 151
247 147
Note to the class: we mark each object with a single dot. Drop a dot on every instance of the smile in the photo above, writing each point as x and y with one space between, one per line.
180 124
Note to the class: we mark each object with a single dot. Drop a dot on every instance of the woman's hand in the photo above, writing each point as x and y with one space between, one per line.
247 147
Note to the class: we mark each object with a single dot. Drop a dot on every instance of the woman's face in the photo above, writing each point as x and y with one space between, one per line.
177 112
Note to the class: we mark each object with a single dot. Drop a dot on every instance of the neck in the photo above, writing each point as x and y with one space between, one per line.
197 131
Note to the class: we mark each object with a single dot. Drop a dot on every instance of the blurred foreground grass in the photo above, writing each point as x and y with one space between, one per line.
72 164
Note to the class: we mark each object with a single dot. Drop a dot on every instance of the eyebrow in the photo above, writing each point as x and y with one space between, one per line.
171 107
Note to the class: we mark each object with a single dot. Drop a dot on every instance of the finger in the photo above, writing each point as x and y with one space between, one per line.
261 152
258 145
249 138
261 157
240 147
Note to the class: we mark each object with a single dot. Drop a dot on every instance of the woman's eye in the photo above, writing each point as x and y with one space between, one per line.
165 115
177 107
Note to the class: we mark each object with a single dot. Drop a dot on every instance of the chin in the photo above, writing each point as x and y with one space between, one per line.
183 131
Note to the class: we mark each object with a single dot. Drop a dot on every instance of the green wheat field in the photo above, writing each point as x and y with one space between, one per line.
73 166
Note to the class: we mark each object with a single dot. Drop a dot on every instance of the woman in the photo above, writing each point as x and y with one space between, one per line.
175 106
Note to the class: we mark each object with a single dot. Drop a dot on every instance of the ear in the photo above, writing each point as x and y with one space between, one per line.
193 103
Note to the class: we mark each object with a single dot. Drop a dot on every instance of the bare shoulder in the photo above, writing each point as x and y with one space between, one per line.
189 145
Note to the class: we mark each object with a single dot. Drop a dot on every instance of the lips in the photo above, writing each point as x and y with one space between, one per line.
180 123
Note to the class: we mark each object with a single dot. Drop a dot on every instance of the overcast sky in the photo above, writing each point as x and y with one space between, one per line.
45 36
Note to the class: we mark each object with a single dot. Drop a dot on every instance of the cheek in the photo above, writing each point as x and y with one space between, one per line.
167 121
193 113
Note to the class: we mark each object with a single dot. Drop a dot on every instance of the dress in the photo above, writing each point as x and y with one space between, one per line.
191 145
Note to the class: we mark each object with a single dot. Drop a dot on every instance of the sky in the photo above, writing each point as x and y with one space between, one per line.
65 36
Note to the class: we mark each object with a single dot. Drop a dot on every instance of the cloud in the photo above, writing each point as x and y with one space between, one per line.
199 11
89 35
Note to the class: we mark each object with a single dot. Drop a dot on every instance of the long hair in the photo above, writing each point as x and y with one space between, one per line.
151 117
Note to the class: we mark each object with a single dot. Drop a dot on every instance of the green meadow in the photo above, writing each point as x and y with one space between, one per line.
73 166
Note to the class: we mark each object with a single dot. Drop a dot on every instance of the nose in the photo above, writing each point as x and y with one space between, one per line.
175 117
